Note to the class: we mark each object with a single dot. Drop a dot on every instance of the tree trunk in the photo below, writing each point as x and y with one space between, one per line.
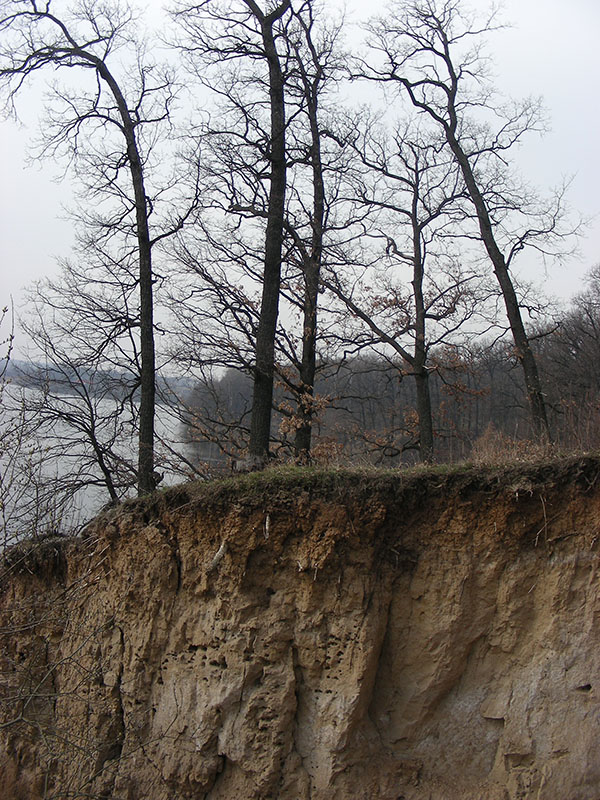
146 480
424 415
262 400
524 352
312 271
302 441
420 350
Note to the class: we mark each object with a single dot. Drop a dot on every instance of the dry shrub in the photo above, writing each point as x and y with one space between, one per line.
328 453
495 447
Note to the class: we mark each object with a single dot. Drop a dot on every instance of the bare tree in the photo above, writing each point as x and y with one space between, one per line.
249 35
81 326
317 67
31 504
237 157
114 113
431 51
568 351
422 290
262 400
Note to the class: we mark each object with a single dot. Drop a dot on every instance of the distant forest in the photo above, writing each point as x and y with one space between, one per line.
367 403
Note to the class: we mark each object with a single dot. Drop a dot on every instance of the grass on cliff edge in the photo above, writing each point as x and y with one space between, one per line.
281 483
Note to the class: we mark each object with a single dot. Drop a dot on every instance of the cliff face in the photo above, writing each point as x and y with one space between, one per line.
319 637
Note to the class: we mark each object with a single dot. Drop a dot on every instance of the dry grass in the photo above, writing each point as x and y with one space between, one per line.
494 448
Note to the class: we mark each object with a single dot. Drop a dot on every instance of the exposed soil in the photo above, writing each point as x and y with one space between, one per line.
306 633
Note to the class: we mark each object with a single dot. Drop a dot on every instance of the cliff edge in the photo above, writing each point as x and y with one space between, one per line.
304 634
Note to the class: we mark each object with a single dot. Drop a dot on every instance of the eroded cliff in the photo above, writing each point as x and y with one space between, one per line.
303 634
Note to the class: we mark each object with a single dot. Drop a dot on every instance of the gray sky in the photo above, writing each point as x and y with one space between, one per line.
552 51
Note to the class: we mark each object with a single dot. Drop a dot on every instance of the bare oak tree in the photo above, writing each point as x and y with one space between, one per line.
240 166
419 223
315 67
248 34
431 51
91 39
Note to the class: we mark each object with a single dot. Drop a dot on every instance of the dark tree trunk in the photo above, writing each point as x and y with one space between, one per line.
523 349
420 351
262 400
424 414
305 411
312 271
146 480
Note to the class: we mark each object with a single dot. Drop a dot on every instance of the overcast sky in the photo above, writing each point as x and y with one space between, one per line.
552 50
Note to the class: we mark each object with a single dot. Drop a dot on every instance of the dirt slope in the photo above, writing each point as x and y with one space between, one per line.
299 635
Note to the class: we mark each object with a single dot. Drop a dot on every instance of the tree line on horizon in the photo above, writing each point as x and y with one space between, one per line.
242 221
